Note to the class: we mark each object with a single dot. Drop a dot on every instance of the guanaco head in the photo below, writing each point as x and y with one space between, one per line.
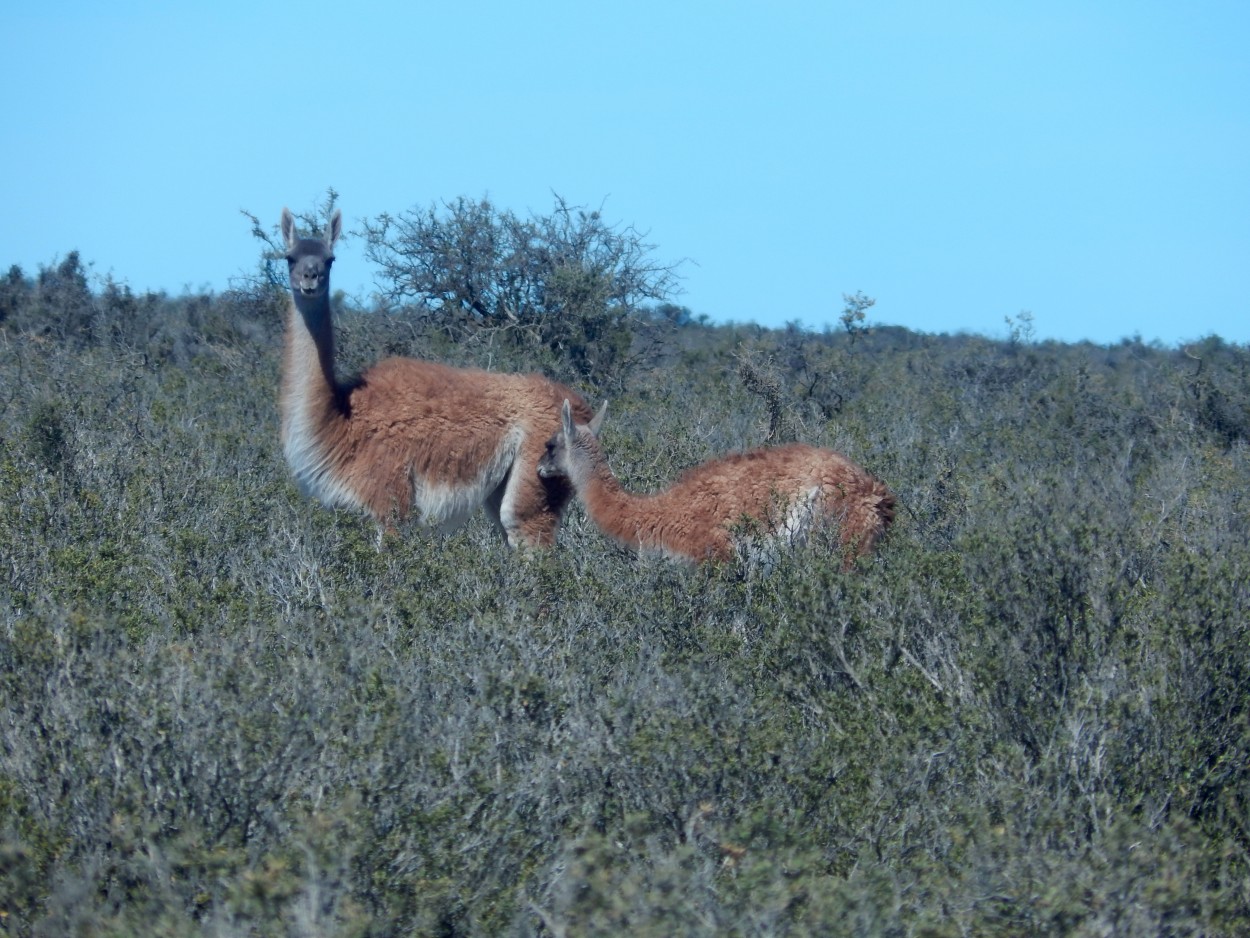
558 461
309 259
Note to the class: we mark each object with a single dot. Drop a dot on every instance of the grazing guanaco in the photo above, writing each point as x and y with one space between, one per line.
751 501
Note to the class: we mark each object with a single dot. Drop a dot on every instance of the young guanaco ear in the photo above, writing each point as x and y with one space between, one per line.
566 420
596 422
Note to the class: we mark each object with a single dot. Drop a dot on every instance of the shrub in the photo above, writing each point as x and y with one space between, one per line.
227 710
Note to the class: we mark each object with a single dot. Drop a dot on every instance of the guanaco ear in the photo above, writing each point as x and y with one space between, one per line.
335 228
288 229
566 420
596 422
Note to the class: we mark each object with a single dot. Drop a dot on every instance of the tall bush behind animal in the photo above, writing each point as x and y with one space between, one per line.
568 283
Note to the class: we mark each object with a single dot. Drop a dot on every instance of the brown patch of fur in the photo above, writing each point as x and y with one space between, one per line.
405 418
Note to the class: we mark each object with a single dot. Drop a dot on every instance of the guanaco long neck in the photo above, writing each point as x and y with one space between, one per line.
623 515
308 372
312 404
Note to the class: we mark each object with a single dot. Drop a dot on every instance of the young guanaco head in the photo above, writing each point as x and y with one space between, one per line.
570 447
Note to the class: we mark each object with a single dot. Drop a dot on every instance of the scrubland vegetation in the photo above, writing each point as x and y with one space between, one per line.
226 711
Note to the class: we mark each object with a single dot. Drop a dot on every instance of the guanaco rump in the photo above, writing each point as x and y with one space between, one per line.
408 435
746 504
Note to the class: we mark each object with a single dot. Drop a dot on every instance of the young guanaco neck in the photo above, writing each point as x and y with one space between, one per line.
619 513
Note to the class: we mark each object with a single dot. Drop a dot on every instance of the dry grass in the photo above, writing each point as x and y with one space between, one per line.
227 712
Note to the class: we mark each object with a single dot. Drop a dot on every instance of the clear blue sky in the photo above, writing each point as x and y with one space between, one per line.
961 161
